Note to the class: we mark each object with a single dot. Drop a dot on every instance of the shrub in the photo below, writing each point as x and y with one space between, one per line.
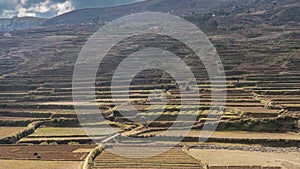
17 136
97 151
73 143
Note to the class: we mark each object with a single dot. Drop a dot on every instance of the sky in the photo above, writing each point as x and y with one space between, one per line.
51 8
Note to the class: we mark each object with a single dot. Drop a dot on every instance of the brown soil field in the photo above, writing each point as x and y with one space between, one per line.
46 152
244 158
30 164
174 158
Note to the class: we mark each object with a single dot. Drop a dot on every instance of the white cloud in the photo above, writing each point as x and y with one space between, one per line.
22 8
8 13
63 7
46 6
23 2
41 7
22 12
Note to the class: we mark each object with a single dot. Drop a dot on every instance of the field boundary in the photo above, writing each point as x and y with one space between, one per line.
96 151
268 142
18 135
202 163
91 156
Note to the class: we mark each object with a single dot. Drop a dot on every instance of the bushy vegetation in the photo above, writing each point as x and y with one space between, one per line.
93 154
278 124
17 136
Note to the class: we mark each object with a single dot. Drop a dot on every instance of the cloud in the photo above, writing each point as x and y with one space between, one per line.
8 13
41 7
50 8
22 8
63 7
46 6
22 12
23 2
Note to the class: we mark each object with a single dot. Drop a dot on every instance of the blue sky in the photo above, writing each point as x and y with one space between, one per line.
51 8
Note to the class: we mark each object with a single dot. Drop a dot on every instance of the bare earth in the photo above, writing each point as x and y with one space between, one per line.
243 158
28 164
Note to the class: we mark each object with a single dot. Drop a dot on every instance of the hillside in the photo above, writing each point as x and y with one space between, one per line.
101 15
277 12
20 23
258 42
254 14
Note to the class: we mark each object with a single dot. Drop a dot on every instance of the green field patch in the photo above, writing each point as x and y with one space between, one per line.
60 140
69 132
291 105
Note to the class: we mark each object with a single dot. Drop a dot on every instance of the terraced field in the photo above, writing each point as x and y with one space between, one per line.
174 158
6 131
220 158
66 135
29 164
265 102
230 134
39 125
45 152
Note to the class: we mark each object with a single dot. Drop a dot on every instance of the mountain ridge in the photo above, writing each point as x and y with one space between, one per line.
102 15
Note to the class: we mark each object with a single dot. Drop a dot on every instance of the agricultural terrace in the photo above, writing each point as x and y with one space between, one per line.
259 51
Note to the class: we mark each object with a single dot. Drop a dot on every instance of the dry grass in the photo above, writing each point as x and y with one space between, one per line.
7 131
58 131
58 139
